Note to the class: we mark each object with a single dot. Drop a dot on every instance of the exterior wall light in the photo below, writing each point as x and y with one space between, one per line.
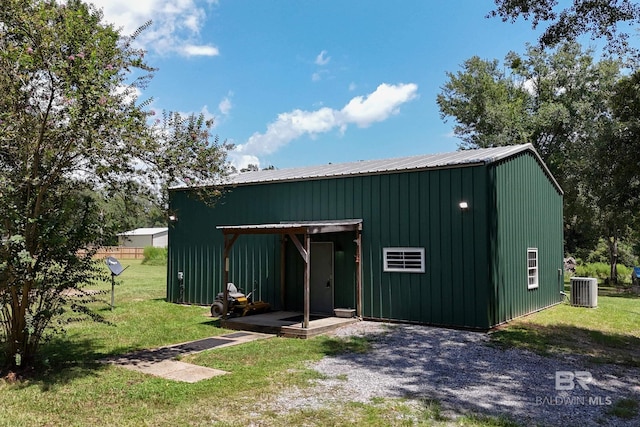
464 205
173 218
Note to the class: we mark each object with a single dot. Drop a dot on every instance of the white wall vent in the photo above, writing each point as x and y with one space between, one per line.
403 260
584 292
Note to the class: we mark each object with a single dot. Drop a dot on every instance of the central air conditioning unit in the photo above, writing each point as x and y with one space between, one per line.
584 292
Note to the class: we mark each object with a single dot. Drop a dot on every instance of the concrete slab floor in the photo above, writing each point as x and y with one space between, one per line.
161 362
177 371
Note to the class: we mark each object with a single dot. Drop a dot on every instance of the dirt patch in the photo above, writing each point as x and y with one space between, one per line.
11 378
71 292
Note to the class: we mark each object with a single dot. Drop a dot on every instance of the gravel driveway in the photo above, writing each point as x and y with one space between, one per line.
462 371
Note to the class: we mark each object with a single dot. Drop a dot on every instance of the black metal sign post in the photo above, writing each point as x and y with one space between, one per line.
116 270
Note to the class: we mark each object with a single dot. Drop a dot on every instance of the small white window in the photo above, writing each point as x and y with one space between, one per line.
532 267
405 260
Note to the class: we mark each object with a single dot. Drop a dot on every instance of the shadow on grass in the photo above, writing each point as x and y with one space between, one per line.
61 361
553 340
625 408
334 346
617 293
621 291
214 322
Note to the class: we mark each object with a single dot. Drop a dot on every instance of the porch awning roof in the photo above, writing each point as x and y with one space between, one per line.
295 227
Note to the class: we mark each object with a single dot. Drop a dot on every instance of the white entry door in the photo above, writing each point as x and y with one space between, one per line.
321 278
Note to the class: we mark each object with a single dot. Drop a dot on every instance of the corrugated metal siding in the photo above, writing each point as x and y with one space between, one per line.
476 272
196 249
398 209
528 214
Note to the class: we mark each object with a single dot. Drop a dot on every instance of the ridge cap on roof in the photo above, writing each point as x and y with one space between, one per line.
460 157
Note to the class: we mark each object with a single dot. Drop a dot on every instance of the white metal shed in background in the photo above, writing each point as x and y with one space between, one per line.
141 237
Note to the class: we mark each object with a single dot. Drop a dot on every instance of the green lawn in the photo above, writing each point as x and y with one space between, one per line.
609 333
73 389
140 319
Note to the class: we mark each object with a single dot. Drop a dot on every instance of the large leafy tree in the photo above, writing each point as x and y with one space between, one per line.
601 19
614 168
127 210
612 21
71 127
558 101
625 106
487 104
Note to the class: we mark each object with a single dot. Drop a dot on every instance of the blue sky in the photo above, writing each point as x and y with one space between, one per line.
296 82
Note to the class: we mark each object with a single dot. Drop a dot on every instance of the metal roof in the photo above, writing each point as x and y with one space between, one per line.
308 227
144 231
371 167
375 167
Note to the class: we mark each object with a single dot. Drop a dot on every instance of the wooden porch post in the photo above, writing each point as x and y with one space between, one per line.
283 248
304 253
359 272
228 243
307 279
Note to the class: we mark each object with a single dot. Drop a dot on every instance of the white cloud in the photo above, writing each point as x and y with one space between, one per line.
241 161
288 127
207 115
317 76
176 23
202 50
378 105
129 93
530 86
225 105
361 111
322 58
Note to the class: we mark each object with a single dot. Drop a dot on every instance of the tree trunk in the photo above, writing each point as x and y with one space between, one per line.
612 242
16 338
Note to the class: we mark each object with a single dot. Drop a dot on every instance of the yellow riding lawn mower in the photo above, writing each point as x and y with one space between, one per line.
239 304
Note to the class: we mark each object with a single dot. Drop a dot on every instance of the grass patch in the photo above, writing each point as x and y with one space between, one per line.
625 409
140 319
609 333
389 412
74 389
382 412
154 256
483 420
349 345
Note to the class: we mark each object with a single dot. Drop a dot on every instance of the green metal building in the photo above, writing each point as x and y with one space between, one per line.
467 239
